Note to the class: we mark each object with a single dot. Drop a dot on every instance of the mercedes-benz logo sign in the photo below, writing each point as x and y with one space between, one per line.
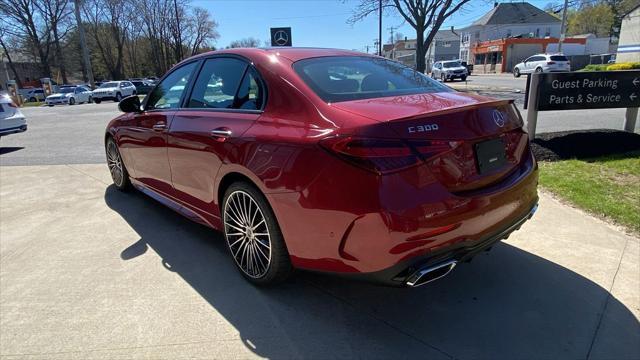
281 38
498 118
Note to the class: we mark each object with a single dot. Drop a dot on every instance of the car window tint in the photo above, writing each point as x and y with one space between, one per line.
168 93
217 84
559 58
250 94
344 78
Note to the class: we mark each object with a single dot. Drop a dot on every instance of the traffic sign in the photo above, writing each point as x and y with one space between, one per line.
588 90
281 36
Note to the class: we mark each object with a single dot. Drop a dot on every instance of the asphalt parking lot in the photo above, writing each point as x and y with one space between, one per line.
90 272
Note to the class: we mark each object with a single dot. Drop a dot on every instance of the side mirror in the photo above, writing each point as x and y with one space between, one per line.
130 104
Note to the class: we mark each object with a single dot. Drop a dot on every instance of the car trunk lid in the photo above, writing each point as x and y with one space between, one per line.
467 141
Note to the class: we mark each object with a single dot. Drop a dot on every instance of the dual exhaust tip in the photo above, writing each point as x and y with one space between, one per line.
429 274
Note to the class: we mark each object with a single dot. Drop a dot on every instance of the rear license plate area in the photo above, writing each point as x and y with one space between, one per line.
490 155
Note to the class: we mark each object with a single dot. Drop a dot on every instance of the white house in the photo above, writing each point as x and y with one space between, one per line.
507 20
629 43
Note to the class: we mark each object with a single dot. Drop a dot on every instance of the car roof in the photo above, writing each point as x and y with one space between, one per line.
291 53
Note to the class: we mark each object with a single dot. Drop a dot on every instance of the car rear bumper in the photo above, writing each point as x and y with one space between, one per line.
378 229
399 275
13 128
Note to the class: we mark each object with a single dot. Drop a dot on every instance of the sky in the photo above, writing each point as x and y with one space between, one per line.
319 23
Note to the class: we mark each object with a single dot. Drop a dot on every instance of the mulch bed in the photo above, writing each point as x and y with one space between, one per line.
583 144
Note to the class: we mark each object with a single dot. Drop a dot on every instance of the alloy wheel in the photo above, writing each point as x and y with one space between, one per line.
247 234
114 161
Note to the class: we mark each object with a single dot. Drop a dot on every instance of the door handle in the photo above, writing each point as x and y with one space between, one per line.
159 127
221 133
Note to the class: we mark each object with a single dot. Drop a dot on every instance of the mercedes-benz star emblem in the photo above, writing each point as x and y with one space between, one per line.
498 118
281 38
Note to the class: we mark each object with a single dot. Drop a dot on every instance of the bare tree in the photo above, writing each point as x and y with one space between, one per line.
245 43
55 14
28 24
201 30
4 44
425 16
109 22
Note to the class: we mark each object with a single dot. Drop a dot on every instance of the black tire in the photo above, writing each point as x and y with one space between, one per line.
97 101
539 70
463 78
118 97
443 78
278 267
122 181
50 105
516 72
90 100
72 101
433 76
32 99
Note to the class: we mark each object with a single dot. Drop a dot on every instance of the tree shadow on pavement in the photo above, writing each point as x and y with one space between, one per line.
507 303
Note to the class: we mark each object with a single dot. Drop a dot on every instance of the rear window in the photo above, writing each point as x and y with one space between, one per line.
453 64
558 58
344 78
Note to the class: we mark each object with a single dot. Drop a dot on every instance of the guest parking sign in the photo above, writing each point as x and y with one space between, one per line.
589 90
583 91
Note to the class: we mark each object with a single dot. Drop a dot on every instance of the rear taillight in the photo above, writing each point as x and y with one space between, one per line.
384 156
550 62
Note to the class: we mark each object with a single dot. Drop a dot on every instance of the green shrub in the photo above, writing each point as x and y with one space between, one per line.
624 66
612 67
595 67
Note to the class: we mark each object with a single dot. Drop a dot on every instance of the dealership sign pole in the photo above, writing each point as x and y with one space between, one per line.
583 90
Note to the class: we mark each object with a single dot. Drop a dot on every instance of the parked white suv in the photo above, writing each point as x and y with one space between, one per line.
542 63
113 90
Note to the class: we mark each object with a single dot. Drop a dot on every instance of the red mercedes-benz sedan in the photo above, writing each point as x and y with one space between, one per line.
328 160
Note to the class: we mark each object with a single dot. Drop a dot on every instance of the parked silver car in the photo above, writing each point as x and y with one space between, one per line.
542 63
70 95
449 70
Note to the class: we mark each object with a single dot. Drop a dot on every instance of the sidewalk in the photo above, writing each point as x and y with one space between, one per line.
89 272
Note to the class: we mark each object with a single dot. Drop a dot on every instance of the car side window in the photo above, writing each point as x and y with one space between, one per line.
168 93
250 93
217 84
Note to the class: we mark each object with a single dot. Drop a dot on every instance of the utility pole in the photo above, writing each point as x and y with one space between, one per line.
393 44
391 30
380 27
83 44
563 25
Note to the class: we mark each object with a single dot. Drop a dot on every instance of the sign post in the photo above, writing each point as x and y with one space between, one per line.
584 90
281 36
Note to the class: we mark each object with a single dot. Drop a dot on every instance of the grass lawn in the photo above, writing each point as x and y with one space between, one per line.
607 186
32 104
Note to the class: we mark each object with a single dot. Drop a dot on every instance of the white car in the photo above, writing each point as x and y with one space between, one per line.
11 119
542 63
114 90
33 95
70 95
